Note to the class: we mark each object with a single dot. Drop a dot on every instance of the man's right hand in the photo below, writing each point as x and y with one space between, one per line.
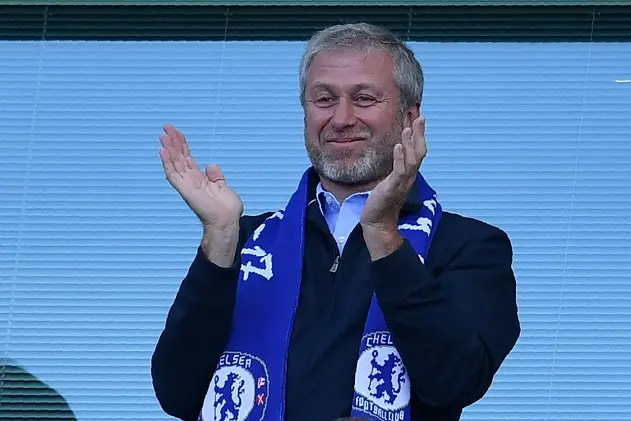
216 205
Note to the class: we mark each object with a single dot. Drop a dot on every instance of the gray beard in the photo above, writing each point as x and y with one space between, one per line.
372 165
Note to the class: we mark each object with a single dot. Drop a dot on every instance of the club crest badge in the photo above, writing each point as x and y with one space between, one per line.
382 386
238 390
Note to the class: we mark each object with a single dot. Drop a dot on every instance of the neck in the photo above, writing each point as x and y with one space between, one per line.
342 191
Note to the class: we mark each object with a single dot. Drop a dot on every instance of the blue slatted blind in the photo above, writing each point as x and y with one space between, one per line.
93 242
318 2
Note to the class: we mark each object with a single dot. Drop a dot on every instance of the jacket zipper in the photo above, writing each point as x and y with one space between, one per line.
336 263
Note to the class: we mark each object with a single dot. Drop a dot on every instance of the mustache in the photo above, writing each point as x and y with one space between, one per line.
331 135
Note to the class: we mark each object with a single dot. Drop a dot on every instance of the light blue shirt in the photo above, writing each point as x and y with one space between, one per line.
341 218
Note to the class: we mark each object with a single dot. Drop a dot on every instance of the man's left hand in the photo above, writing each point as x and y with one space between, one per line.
380 216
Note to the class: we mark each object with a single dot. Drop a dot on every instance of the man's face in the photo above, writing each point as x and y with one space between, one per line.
352 116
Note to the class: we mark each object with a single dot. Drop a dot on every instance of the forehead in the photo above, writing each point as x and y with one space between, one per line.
351 68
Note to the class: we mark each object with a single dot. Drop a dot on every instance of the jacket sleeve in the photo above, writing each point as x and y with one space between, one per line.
452 331
194 337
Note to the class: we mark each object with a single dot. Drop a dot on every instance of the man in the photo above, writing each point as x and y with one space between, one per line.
336 305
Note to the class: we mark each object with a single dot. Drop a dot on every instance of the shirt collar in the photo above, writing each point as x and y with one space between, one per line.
327 201
412 203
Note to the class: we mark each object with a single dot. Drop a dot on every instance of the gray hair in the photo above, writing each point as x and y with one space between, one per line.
408 74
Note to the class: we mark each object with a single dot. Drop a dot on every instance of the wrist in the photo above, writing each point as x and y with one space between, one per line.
381 240
220 245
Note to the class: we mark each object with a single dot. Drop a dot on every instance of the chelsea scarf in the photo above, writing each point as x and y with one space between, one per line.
249 380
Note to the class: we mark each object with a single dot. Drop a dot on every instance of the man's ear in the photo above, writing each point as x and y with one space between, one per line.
413 113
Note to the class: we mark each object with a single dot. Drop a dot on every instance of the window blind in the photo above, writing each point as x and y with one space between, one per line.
325 3
530 136
297 23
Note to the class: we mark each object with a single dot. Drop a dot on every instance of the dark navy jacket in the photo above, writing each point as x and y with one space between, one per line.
454 320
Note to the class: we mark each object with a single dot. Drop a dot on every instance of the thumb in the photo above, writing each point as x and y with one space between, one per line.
214 174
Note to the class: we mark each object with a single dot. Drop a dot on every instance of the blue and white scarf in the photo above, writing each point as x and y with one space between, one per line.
250 379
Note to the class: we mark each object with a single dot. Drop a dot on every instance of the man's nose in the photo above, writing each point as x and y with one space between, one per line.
343 114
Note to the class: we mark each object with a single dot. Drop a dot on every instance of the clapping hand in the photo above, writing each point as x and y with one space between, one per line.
385 202
206 193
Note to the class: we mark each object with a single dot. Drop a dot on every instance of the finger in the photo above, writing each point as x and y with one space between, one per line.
172 132
165 141
166 152
175 158
407 140
181 147
169 144
167 164
185 149
420 140
190 163
179 151
215 175
180 165
398 166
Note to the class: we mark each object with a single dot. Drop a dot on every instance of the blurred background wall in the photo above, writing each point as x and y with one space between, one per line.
529 128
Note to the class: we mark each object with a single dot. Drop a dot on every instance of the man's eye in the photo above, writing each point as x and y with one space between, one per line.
324 101
364 99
